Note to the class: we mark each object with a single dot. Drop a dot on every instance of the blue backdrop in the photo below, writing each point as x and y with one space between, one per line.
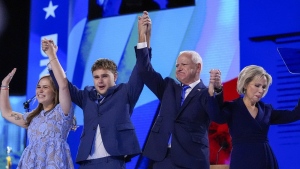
228 35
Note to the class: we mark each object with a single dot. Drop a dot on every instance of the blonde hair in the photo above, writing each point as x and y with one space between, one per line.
248 74
105 64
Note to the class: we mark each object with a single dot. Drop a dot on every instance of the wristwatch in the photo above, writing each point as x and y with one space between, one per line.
218 90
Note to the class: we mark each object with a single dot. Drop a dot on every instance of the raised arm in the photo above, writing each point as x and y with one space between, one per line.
6 111
151 78
135 82
50 49
144 28
215 101
215 83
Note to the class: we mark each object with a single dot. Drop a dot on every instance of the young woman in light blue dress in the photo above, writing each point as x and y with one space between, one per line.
48 124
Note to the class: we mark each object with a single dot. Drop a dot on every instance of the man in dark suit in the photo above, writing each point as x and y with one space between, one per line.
179 136
108 138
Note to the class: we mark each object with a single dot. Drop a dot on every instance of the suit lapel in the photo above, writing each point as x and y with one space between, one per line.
195 91
178 95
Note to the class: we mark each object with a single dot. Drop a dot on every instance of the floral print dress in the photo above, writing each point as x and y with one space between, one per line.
47 134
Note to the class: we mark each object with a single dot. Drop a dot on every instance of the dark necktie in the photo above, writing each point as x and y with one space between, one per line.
100 98
184 88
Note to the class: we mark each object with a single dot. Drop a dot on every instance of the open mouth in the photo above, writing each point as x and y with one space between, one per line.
40 96
101 87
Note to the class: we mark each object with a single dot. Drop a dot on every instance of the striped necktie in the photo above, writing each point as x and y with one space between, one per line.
100 98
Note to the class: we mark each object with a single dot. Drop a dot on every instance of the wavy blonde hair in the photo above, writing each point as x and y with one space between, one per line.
250 73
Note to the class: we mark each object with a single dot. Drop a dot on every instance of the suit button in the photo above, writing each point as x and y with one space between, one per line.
94 128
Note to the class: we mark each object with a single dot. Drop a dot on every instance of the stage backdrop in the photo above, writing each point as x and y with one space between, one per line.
94 29
87 30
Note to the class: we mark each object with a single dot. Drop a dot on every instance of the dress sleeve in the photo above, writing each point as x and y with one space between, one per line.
25 115
283 116
61 113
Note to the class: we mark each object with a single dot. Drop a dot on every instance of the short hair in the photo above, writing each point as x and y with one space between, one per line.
106 64
248 74
196 58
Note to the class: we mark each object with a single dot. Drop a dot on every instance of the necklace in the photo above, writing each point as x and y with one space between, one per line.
46 112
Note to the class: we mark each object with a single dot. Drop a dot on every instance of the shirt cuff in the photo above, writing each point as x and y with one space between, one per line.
217 93
141 45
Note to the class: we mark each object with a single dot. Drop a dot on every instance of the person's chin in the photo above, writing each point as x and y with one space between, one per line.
257 99
178 78
103 91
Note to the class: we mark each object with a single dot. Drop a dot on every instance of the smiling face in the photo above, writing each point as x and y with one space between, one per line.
104 79
256 89
45 93
104 74
187 71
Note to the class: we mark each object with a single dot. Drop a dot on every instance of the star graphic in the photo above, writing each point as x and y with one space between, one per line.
50 10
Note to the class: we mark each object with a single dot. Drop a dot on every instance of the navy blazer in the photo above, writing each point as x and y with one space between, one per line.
112 115
188 123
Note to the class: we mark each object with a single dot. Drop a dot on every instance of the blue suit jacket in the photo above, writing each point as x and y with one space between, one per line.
112 115
188 123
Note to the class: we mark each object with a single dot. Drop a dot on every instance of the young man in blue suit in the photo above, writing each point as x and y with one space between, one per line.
108 138
179 136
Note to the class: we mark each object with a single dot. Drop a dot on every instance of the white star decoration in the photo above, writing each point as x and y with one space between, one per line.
50 10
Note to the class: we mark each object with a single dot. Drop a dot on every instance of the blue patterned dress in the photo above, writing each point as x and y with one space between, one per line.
47 148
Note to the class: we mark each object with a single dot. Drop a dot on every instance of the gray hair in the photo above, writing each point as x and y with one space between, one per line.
196 58
248 74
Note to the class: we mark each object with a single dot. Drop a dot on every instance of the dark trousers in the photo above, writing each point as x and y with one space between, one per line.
166 163
103 163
